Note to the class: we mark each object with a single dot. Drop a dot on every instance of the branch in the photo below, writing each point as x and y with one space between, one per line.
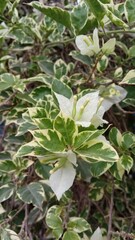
110 214
122 110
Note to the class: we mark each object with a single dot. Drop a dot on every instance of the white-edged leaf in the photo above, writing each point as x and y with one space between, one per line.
68 235
51 140
32 193
8 234
98 150
129 78
126 162
78 224
6 191
130 10
58 14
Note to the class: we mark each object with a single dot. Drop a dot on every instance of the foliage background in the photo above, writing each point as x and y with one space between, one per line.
37 48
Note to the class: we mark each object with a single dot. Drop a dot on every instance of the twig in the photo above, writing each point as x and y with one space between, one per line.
100 210
24 227
94 67
110 214
11 219
122 110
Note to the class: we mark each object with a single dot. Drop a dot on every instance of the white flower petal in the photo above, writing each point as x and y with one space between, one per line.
121 96
97 235
96 41
97 119
102 138
83 45
83 123
109 101
65 104
62 179
71 156
90 108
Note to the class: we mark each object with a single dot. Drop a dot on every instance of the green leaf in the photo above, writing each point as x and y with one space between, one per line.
70 235
99 168
129 78
79 16
46 66
117 170
83 137
61 88
132 51
37 112
8 234
126 162
102 64
7 80
25 127
50 140
114 19
60 68
96 8
99 151
2 210
22 164
32 193
56 13
54 221
128 140
43 123
115 137
7 166
130 10
67 128
27 149
6 191
78 224
82 58
42 170
3 4
96 194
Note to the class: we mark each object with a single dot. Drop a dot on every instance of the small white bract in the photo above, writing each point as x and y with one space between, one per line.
87 45
89 109
90 46
81 110
62 179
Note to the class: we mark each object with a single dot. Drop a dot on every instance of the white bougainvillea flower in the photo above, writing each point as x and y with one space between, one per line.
87 45
62 179
117 94
90 46
81 110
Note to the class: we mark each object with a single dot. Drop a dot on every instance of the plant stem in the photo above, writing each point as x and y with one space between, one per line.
110 214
